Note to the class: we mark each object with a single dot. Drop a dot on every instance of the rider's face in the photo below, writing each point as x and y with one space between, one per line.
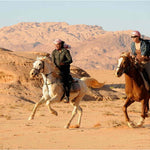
58 46
135 39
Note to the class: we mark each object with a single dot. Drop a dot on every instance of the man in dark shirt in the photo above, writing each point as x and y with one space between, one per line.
62 59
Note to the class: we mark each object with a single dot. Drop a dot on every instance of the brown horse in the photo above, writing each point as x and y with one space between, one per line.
134 87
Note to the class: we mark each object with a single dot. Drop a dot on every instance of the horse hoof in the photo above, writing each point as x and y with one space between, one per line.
139 125
55 113
75 126
66 127
131 124
30 118
141 122
147 115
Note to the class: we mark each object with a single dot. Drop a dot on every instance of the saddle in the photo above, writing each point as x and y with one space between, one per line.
75 86
145 77
143 68
145 82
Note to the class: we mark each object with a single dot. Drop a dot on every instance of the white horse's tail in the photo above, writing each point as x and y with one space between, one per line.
91 82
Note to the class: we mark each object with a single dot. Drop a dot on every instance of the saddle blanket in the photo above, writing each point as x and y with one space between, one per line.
75 86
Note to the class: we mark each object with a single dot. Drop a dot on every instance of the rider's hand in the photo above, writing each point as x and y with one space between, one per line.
61 64
136 61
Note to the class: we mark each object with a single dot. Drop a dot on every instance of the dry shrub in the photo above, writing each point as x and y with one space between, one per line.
97 125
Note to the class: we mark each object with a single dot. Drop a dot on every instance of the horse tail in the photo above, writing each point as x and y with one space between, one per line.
91 82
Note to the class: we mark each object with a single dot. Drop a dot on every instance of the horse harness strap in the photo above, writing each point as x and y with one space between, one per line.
49 83
46 79
40 68
126 69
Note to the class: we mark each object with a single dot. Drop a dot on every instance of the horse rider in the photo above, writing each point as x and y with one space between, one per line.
61 57
141 52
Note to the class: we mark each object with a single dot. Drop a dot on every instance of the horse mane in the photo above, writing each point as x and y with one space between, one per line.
42 58
125 54
137 64
128 55
136 68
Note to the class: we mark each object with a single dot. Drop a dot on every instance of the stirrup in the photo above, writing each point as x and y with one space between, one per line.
66 100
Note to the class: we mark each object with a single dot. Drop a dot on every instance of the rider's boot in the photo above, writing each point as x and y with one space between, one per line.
66 99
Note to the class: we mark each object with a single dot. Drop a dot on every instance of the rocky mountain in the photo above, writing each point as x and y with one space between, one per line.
92 47
15 82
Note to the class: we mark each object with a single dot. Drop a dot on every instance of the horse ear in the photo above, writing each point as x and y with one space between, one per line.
128 54
40 58
37 58
43 58
123 54
48 55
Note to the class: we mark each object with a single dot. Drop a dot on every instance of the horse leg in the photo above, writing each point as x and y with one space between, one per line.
79 110
127 104
42 100
74 112
80 115
51 109
76 109
52 100
143 113
147 109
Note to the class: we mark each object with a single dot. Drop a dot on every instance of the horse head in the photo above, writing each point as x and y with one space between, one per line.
41 65
124 63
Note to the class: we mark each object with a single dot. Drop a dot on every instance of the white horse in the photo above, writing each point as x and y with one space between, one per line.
53 88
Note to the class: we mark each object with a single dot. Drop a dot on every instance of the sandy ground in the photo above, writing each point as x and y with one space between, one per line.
103 125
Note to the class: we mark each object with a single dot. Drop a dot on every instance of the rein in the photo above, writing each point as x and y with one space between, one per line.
46 75
126 70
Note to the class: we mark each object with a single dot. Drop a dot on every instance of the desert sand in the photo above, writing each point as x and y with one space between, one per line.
103 125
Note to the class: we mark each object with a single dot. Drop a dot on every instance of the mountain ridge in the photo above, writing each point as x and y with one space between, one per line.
92 46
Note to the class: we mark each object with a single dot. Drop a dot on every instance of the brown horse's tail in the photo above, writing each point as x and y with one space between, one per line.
91 82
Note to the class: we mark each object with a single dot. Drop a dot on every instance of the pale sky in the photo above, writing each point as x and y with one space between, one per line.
111 15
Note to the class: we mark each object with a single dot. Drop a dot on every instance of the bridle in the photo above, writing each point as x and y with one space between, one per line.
39 70
42 68
126 69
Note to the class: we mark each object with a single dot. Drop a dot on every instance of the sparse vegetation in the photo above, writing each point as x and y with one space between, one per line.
115 123
8 117
107 113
